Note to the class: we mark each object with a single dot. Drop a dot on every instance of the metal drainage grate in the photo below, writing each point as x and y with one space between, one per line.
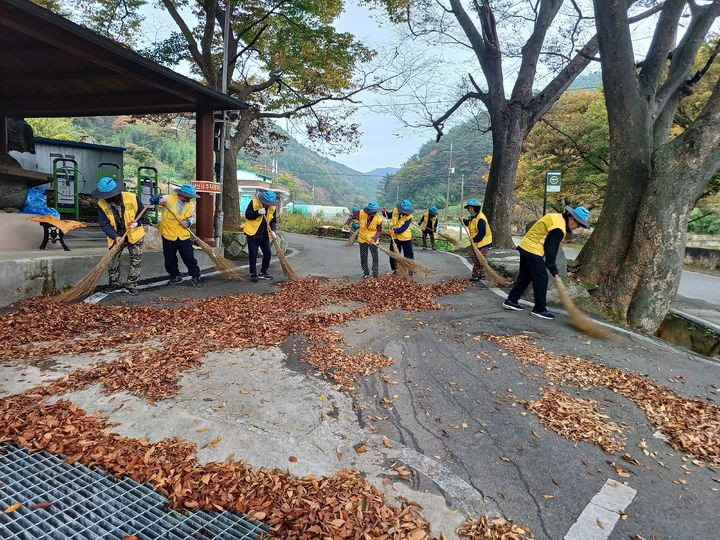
90 504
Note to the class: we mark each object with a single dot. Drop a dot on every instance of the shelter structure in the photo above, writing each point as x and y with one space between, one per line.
51 67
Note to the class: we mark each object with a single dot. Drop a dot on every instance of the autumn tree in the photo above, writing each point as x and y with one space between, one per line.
543 36
285 58
656 172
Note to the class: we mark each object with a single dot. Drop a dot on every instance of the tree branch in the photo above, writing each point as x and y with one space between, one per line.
439 124
182 25
662 43
206 42
581 151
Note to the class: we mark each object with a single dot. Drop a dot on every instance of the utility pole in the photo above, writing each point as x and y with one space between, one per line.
219 215
447 198
462 198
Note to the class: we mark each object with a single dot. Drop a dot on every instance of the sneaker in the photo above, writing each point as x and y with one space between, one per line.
116 287
132 291
543 314
265 275
514 306
196 282
475 278
365 276
174 280
253 278
424 249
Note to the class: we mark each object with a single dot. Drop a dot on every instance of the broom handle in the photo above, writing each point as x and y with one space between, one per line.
124 236
188 229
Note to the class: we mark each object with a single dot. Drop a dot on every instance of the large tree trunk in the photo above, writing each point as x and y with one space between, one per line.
231 195
498 204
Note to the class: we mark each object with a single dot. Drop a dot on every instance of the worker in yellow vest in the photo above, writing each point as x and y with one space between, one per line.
175 231
369 233
538 251
400 230
117 215
260 225
428 226
480 236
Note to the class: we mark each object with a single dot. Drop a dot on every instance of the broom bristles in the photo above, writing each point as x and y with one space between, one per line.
287 268
450 238
496 278
577 318
350 241
407 265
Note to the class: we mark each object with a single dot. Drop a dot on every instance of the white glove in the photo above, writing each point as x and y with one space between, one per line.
261 211
132 225
273 236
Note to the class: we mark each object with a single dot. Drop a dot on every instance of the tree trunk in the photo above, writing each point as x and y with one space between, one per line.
231 195
498 204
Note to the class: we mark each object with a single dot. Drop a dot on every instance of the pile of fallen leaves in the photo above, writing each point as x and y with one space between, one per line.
691 426
158 344
493 528
338 506
576 419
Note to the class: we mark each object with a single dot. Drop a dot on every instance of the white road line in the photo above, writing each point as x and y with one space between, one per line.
599 517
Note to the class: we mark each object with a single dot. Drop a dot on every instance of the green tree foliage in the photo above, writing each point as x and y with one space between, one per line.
424 177
572 138
55 128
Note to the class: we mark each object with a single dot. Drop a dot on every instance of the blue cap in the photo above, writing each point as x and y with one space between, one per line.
405 206
355 209
433 211
107 188
580 214
473 202
268 197
187 190
372 207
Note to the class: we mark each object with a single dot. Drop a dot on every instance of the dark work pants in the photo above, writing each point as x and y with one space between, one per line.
532 270
170 251
431 234
262 242
405 247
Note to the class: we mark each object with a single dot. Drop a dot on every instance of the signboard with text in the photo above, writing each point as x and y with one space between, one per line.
552 181
206 187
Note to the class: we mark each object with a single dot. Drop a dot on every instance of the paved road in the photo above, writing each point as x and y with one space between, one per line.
451 406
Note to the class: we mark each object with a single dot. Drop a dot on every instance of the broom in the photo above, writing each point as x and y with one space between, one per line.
450 238
577 318
403 264
496 278
287 268
220 262
86 285
350 241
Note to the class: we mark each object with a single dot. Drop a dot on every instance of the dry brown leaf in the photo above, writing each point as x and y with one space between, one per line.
292 459
10 509
386 442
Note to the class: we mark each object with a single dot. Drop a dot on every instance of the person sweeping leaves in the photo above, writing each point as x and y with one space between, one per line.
400 230
352 223
175 233
260 225
369 237
538 251
117 214
480 236
428 226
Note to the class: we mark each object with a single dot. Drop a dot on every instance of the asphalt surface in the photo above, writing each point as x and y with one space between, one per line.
456 417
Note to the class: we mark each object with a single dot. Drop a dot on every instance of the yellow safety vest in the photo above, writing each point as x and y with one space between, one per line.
397 222
131 210
252 225
473 228
534 241
429 222
368 229
171 228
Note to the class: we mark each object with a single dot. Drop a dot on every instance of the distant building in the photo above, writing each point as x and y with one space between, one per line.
318 210
89 157
250 183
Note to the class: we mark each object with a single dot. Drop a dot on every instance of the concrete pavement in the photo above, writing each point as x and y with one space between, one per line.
450 406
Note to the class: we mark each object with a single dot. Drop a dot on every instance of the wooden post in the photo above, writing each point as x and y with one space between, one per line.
204 158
